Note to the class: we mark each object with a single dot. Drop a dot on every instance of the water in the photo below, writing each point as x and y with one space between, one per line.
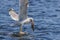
46 14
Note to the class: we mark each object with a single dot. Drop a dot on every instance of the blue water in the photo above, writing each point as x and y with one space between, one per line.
46 14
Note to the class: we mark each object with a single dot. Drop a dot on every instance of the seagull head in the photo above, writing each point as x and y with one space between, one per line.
32 23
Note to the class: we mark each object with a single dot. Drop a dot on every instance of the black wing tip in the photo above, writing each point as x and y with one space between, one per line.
10 9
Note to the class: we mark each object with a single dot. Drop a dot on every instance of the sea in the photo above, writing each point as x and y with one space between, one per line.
46 15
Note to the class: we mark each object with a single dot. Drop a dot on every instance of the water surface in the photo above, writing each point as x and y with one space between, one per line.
46 14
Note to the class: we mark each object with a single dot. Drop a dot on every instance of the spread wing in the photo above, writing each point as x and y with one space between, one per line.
23 10
13 14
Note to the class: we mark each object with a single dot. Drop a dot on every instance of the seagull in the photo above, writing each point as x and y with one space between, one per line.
22 17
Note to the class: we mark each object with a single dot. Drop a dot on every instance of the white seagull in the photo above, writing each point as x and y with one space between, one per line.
22 18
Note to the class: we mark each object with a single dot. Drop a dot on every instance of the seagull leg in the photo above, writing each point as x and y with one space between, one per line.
20 27
21 33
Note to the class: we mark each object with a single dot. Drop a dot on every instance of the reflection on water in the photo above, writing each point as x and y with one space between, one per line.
26 36
46 14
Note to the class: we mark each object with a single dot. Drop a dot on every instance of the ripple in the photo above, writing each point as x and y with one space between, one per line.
2 38
58 10
45 38
23 37
46 18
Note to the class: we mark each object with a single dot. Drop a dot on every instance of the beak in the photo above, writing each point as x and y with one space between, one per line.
32 25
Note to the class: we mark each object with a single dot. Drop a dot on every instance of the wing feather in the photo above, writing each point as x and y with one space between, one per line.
13 15
23 10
